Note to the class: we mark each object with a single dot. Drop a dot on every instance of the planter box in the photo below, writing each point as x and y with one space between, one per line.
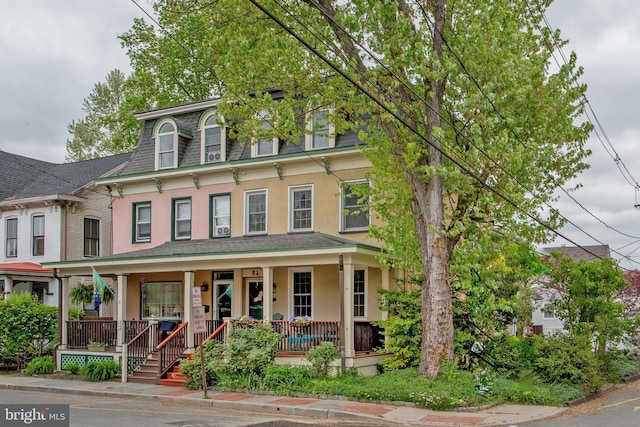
97 347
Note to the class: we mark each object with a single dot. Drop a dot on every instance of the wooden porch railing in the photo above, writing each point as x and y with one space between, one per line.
139 348
304 338
366 336
172 348
212 325
81 332
133 327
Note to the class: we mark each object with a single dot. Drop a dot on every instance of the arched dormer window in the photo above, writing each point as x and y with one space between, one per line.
166 145
213 139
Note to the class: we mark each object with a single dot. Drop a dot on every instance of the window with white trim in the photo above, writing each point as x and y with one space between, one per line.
166 146
354 206
302 292
142 222
213 139
181 214
37 235
221 215
301 208
91 237
360 292
320 131
11 238
548 312
266 143
255 203
161 299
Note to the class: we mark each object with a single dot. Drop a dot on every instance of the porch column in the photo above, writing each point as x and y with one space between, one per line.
121 310
385 286
189 277
347 300
267 292
64 286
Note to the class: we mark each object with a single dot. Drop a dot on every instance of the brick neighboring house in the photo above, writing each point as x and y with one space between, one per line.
51 212
263 228
544 320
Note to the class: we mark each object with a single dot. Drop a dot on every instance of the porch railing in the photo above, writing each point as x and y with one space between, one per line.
172 348
367 337
133 327
81 332
139 348
304 338
212 325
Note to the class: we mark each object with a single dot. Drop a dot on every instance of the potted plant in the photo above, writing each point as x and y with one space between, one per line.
84 293
97 346
244 322
299 321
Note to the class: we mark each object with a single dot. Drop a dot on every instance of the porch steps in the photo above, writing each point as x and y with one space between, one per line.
174 377
148 373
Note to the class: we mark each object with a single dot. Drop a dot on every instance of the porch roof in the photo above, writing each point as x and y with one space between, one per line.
24 267
245 250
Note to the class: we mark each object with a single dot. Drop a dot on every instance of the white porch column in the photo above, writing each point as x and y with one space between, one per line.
189 277
121 310
64 286
347 300
267 292
385 286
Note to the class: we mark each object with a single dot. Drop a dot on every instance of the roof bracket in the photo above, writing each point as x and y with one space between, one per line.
234 174
325 163
278 170
158 184
194 177
118 189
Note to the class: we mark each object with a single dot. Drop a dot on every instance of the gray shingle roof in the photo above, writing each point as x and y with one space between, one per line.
245 244
582 253
23 177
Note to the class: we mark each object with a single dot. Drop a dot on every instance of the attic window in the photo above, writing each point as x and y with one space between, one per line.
213 137
265 143
320 131
166 145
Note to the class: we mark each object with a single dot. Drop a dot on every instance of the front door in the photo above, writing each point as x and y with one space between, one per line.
223 299
256 298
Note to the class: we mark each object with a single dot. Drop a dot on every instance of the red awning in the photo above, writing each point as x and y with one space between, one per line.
24 267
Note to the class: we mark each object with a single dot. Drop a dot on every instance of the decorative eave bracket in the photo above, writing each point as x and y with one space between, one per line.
158 184
194 177
278 170
325 164
234 174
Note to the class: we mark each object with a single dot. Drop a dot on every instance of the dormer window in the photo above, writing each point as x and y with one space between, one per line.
166 146
320 132
213 139
266 143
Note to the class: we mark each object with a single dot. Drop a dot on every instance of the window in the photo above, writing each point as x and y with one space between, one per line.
256 212
37 235
221 215
301 208
11 248
359 292
355 206
91 237
320 132
181 214
548 312
213 137
166 144
142 222
161 299
302 292
265 144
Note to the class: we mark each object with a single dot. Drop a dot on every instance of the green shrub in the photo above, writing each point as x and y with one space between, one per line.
101 371
40 365
213 359
76 313
508 355
74 368
321 357
568 360
619 365
286 379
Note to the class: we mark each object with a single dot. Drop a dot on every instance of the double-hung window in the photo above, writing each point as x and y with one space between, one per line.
354 203
221 215
181 219
302 282
166 146
37 235
213 136
359 292
265 143
256 212
11 237
301 208
320 131
91 237
142 222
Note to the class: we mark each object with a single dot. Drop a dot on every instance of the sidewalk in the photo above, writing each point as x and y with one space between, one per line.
308 407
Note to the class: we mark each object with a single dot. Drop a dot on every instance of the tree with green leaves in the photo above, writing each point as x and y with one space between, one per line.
466 126
108 126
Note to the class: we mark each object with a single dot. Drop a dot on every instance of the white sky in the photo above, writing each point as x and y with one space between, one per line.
53 52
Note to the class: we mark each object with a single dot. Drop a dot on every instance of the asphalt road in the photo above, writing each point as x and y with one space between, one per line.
617 408
90 411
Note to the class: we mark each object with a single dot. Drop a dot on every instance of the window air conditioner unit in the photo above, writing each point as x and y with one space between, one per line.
213 157
222 231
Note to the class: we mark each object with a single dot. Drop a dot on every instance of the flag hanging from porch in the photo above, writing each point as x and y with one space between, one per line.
99 282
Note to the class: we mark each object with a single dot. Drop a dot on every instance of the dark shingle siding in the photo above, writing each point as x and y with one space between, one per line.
582 253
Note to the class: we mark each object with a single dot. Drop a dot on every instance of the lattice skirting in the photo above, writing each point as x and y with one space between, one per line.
67 359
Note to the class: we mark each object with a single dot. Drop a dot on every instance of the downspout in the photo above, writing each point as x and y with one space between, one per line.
60 325
342 325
